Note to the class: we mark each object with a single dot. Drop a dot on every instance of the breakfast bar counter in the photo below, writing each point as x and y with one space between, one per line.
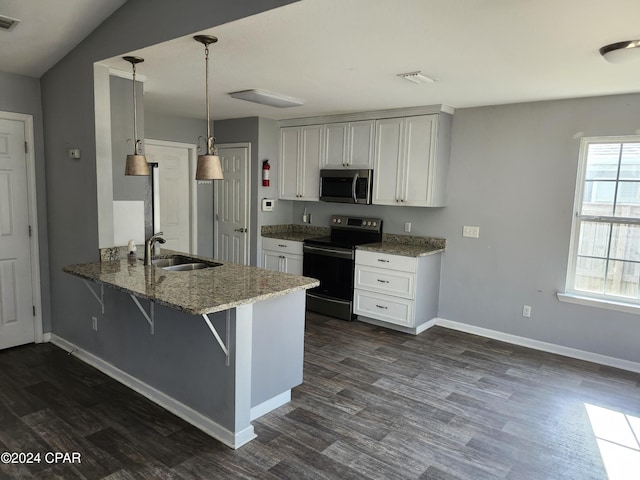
219 346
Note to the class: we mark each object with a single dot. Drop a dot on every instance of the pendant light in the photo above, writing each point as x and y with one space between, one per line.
209 166
136 163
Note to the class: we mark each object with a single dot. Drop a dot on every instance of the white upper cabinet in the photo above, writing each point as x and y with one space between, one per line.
408 150
349 145
411 161
301 151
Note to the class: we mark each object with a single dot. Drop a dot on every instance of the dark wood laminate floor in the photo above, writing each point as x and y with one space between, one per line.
375 404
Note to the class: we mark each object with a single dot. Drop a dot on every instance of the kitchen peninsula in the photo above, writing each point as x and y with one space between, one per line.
219 346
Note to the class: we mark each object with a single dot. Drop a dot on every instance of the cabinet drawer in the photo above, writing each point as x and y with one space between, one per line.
394 310
385 260
284 246
390 282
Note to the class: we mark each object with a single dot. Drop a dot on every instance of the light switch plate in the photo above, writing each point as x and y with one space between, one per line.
471 232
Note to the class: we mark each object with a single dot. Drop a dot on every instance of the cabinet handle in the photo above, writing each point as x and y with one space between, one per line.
383 281
383 260
382 306
281 245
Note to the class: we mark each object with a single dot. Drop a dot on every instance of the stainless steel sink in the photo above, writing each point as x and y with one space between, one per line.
181 263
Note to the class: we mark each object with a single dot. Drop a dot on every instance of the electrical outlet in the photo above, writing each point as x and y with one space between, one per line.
471 232
526 311
94 323
407 227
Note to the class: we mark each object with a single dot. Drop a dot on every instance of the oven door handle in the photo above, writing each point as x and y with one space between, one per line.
329 252
353 186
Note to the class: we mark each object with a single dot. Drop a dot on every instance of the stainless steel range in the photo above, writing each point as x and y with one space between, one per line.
331 260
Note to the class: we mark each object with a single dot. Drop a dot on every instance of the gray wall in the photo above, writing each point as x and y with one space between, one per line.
20 94
512 173
269 148
68 118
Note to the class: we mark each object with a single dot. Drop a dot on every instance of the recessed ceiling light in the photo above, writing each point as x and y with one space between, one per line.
267 98
416 77
621 52
7 23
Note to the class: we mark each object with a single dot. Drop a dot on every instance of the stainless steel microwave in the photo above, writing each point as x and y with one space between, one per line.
346 186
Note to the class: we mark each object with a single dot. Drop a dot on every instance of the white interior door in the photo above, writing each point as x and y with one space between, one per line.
16 290
172 202
231 202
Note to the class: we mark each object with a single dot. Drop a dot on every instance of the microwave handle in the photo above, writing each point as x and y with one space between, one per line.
353 186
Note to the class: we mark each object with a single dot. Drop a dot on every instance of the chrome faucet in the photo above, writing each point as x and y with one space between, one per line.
148 246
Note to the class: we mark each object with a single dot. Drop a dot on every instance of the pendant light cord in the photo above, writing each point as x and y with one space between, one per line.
209 137
136 142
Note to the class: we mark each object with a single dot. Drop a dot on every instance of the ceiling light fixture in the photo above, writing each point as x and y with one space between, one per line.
621 52
136 163
7 23
209 165
264 97
416 77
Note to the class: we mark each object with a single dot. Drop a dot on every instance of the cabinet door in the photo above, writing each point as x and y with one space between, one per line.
419 153
361 135
289 156
309 164
292 264
388 155
335 155
271 260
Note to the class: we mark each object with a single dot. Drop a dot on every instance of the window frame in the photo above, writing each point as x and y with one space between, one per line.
593 298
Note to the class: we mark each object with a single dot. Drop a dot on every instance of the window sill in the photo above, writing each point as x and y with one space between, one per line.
599 303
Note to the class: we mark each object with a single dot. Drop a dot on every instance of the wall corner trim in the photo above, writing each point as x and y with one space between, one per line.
179 409
542 346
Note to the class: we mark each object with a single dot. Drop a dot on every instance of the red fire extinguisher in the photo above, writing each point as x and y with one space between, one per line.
265 173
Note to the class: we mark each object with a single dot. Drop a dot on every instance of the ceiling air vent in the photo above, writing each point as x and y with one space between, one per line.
7 23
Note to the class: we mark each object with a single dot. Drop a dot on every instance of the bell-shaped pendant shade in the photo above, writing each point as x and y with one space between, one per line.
137 165
209 168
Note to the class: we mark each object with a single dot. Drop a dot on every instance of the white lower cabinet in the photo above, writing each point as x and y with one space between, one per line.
282 255
396 291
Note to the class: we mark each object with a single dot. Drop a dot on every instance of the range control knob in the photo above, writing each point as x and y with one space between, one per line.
375 224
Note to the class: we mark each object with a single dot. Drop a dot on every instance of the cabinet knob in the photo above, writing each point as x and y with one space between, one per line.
282 245
383 260
383 281
382 306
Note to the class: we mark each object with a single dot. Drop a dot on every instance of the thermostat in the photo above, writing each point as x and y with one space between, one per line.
267 204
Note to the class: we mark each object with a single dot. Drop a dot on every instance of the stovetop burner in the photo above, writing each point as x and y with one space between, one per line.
347 232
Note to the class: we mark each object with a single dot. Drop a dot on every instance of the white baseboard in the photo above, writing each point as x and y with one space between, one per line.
271 404
165 401
46 337
538 345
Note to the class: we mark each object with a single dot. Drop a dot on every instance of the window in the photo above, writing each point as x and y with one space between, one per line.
604 260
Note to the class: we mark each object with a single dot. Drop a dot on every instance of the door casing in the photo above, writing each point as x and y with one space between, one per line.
27 120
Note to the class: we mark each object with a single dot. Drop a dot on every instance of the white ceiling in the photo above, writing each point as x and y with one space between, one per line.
343 55
48 30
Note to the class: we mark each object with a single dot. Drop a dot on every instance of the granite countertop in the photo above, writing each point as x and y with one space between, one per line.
296 233
406 245
195 292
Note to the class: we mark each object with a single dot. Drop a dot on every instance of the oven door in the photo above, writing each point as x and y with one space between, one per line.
334 268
